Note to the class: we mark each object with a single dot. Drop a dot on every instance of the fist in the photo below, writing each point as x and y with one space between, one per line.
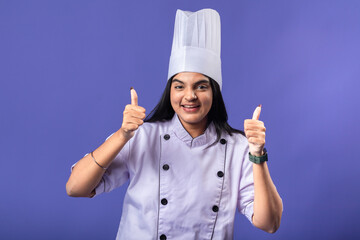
255 133
133 116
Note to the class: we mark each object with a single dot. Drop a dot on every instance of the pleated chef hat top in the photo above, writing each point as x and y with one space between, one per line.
196 44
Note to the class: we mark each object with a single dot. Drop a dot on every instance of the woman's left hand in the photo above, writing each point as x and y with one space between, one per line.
267 201
255 133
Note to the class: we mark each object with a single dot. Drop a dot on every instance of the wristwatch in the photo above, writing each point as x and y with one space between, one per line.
260 159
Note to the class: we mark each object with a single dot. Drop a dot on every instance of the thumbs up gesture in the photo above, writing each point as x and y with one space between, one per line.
255 133
133 116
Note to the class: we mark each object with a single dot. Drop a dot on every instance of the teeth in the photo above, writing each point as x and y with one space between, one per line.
186 106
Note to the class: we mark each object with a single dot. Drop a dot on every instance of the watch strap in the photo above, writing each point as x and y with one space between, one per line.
260 159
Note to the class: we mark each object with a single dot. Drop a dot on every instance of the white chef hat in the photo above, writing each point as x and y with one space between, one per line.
196 44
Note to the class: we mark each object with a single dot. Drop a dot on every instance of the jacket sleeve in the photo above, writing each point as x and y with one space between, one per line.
117 173
246 187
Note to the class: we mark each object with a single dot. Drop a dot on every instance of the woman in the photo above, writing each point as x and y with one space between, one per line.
188 169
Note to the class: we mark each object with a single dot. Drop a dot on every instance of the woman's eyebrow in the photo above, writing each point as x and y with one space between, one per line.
177 80
198 82
202 81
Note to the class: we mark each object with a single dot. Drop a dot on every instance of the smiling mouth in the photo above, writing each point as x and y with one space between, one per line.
190 108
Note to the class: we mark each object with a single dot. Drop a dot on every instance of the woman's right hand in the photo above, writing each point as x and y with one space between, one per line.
86 175
133 117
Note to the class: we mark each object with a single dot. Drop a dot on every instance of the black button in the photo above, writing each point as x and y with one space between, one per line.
163 237
215 208
220 174
166 136
164 201
166 167
222 141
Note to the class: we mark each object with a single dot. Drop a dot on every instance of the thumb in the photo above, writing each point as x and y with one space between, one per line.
256 113
134 97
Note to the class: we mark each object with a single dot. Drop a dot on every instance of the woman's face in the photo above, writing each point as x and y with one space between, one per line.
191 99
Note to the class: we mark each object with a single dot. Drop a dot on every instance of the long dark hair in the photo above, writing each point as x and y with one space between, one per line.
217 114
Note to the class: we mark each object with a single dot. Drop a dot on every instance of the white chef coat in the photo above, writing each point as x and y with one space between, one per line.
181 187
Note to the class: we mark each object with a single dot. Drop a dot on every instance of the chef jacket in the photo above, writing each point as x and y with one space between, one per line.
181 187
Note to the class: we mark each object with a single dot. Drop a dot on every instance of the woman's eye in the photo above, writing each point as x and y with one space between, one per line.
178 87
202 87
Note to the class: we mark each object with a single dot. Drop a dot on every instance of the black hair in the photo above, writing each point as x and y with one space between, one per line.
217 114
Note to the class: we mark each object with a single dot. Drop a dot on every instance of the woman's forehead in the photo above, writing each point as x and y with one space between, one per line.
190 77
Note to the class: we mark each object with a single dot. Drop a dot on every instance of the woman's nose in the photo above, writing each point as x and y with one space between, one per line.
190 95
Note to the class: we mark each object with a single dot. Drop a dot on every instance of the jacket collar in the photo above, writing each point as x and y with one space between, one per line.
207 138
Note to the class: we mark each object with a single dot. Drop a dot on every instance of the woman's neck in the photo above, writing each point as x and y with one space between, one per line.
195 129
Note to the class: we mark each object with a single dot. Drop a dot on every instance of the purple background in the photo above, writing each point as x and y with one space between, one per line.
66 68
